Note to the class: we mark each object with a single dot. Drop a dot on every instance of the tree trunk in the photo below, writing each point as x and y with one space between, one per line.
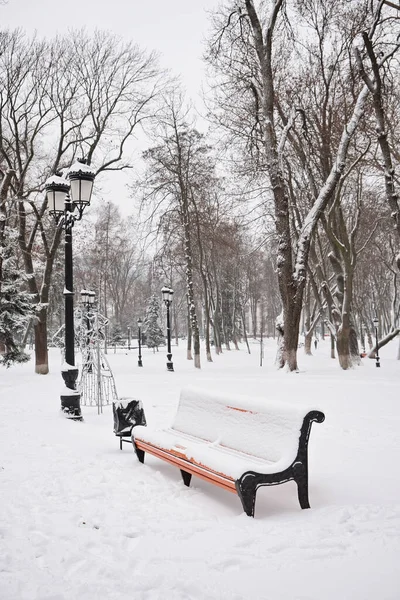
307 343
354 348
342 345
41 353
189 340
388 338
217 315
245 332
333 354
291 337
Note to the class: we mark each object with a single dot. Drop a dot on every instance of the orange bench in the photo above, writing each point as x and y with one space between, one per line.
235 443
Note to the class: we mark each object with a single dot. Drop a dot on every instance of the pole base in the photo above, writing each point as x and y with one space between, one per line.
71 399
71 407
170 366
139 363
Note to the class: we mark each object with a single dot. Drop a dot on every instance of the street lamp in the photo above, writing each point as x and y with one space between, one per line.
376 323
139 322
67 199
167 294
88 299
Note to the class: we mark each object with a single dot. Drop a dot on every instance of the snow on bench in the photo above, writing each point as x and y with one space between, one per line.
238 444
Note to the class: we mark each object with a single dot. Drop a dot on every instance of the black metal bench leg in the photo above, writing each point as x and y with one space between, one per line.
301 478
186 477
139 453
246 489
120 442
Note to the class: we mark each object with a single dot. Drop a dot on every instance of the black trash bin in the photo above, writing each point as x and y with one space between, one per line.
127 413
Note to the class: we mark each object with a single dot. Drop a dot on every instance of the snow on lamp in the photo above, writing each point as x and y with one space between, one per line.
57 189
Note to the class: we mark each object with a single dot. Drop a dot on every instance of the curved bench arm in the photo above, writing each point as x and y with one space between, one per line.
249 482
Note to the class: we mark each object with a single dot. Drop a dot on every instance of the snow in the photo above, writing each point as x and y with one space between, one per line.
57 180
79 167
67 367
81 519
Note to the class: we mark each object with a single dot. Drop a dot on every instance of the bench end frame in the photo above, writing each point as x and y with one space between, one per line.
248 484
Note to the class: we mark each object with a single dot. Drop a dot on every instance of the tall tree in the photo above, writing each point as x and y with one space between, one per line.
177 169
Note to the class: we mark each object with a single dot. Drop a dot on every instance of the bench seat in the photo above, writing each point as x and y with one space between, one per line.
236 443
214 456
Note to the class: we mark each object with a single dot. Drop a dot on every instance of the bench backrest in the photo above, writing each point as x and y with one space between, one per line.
268 430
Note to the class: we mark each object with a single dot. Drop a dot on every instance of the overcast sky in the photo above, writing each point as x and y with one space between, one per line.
175 28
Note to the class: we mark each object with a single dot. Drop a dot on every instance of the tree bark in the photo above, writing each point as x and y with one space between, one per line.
41 352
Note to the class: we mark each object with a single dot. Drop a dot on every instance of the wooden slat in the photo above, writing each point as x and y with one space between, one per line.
188 466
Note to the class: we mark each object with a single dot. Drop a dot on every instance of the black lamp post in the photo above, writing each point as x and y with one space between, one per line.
167 294
376 323
67 199
88 299
139 322
129 338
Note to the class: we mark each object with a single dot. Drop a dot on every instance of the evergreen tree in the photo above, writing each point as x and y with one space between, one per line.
16 306
152 330
116 337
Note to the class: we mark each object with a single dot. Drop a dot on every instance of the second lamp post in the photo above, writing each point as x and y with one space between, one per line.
376 323
167 294
139 362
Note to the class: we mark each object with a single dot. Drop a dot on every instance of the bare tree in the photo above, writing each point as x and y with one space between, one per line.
178 166
58 100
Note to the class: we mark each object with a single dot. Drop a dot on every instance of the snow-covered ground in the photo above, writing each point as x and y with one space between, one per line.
82 520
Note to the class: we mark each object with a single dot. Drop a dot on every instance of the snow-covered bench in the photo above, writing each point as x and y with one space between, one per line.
235 443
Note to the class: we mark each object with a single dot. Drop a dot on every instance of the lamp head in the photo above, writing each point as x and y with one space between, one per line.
167 294
81 178
57 188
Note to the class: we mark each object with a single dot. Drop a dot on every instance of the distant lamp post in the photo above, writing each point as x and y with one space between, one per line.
129 338
88 300
167 294
376 323
139 322
67 199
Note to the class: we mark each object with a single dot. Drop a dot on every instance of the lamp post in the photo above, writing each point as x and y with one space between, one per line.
167 294
67 199
129 338
139 322
376 323
88 299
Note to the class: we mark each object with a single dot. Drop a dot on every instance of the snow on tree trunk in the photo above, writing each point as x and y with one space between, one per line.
189 355
189 285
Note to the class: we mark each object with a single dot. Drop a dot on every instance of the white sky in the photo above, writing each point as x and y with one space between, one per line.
174 28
